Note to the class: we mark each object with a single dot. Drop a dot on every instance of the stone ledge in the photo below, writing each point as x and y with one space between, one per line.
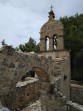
76 106
28 80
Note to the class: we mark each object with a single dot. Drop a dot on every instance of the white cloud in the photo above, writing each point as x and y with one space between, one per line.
20 19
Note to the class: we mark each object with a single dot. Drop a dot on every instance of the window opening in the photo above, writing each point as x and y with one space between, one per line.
54 42
47 43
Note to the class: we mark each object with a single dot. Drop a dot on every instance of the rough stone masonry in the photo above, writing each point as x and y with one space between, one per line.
52 66
14 65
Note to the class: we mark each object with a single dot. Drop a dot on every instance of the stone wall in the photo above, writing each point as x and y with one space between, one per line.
77 93
71 106
25 92
52 101
14 65
64 56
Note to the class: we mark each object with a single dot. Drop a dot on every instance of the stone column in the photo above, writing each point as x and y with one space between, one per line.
51 44
60 42
52 101
42 45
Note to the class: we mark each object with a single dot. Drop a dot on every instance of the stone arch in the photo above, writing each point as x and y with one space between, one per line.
42 75
15 65
43 78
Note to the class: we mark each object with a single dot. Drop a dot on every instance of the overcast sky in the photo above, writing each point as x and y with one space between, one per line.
21 19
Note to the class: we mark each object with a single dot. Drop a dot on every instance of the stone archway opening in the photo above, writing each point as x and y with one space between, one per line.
47 43
30 73
36 72
54 42
33 82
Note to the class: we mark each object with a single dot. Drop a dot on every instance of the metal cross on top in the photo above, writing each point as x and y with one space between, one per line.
51 7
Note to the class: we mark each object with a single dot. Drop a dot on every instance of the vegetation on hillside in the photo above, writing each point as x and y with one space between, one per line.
30 46
73 29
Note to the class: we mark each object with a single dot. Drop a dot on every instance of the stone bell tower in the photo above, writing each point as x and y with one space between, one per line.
51 34
52 44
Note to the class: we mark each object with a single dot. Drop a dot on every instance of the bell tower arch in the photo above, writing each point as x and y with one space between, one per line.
54 30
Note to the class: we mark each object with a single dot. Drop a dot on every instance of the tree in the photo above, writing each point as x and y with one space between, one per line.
73 39
3 42
29 46
37 48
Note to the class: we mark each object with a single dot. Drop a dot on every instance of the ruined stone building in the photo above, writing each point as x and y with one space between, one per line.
52 44
52 66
